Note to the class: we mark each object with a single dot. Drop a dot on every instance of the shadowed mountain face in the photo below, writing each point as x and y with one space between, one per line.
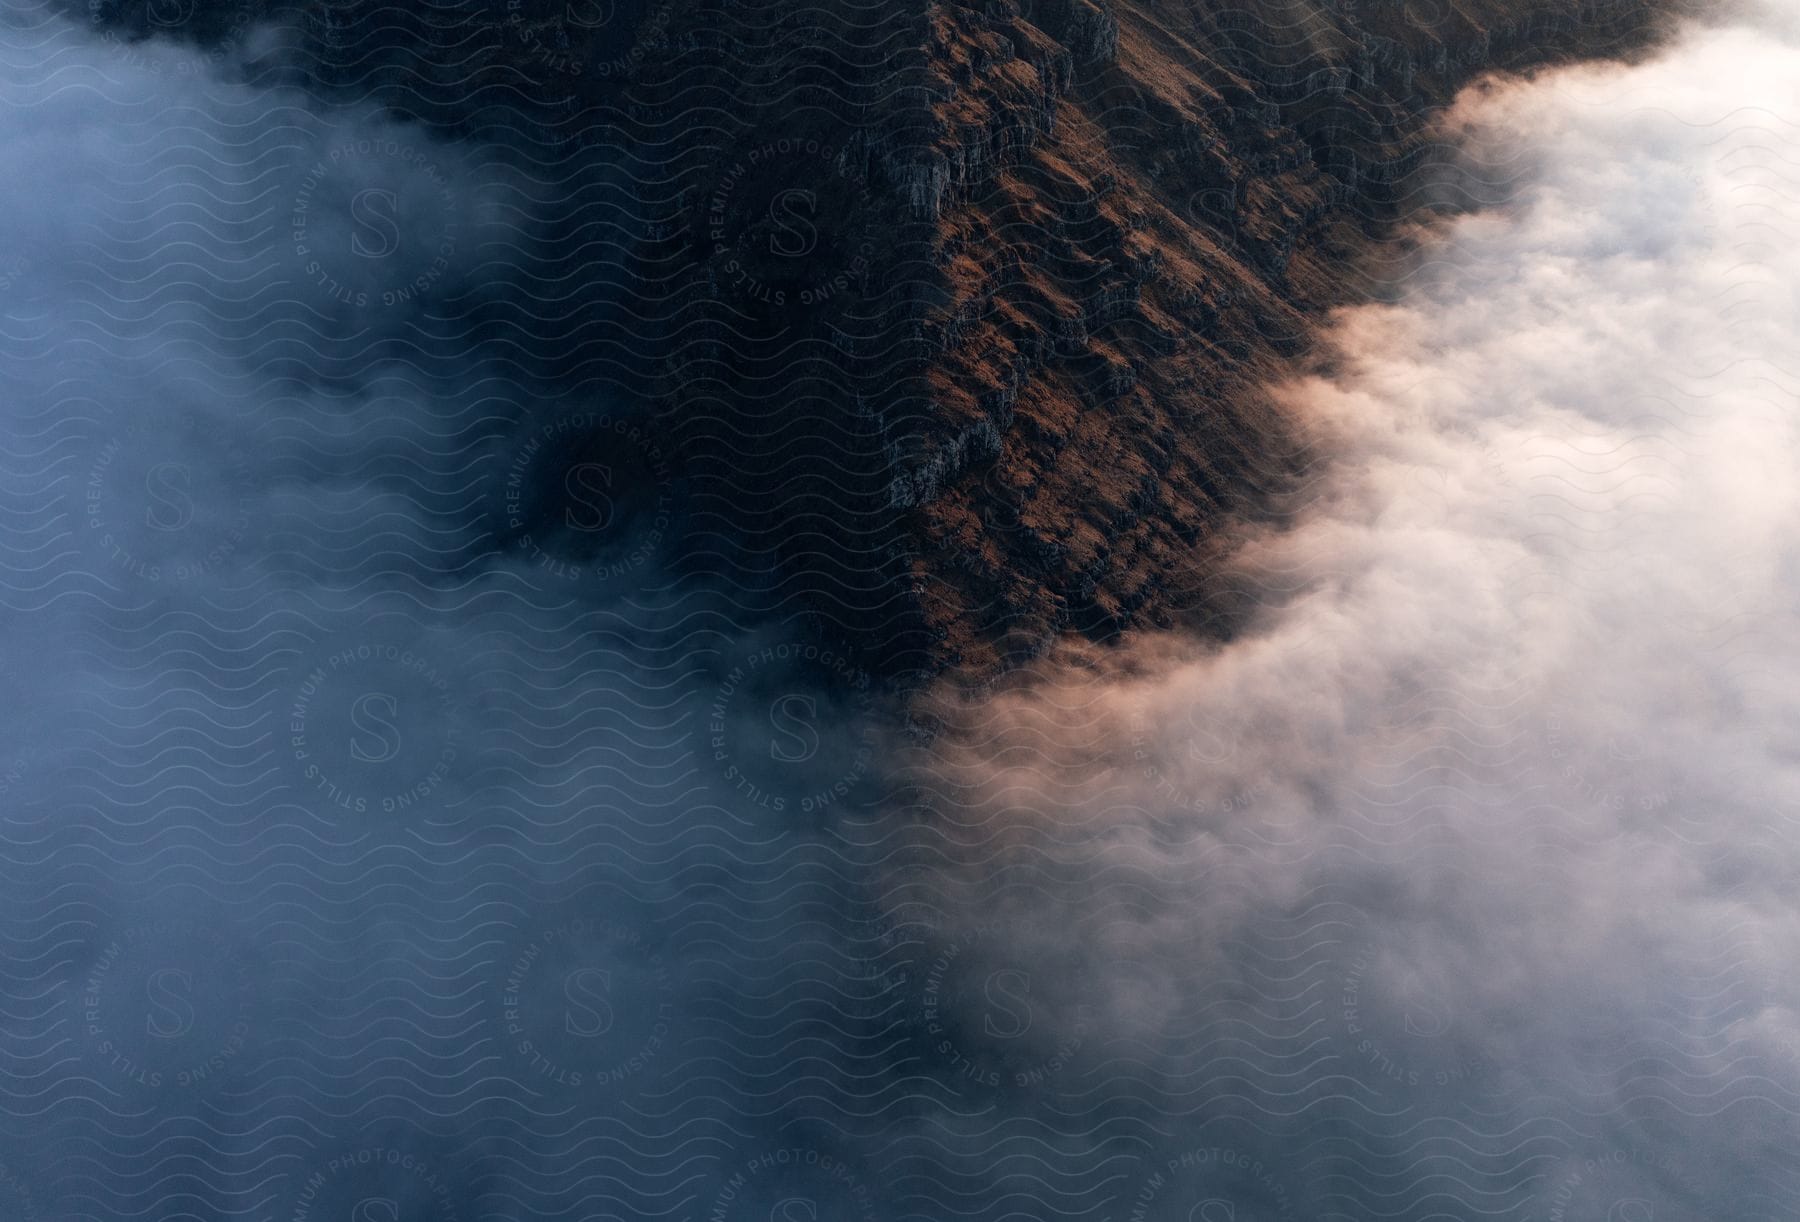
942 323
463 468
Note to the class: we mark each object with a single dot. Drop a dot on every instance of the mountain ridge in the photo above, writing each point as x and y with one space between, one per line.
950 319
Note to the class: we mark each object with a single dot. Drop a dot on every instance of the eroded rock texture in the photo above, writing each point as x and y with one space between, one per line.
945 319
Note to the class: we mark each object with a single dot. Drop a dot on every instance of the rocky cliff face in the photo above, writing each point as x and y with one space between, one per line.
944 320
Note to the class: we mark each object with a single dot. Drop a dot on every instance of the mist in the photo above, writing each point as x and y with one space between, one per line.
383 839
1459 881
395 828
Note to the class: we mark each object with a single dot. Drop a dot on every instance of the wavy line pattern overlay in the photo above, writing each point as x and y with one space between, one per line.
766 613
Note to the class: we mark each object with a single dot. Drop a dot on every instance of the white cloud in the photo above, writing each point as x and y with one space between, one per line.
1502 778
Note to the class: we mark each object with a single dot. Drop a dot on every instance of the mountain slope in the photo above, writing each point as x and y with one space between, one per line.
945 320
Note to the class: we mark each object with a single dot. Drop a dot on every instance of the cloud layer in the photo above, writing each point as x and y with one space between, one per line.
375 833
1461 878
389 830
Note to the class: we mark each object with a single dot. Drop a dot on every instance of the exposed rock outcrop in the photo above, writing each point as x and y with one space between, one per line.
952 314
